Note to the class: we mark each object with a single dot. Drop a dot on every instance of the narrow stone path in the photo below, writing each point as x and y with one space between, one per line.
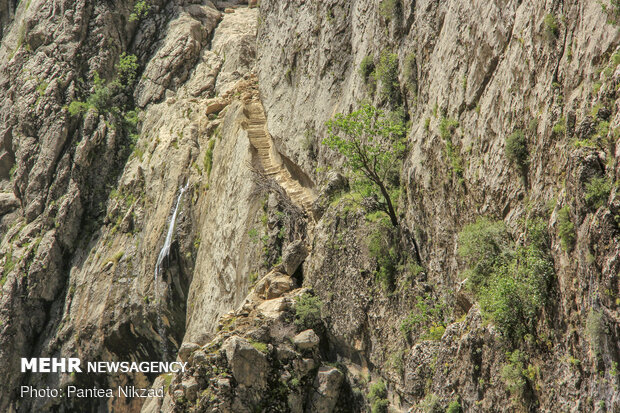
270 159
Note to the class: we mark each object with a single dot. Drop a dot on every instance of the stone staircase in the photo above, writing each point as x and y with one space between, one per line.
270 159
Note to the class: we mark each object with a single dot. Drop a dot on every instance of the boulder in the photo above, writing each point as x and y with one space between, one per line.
274 285
215 106
275 308
190 388
294 254
248 365
187 349
306 340
326 389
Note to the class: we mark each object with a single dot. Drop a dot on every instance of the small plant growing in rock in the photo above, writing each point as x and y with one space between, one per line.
114 98
258 345
595 331
381 246
431 404
516 150
566 229
367 67
597 192
308 311
510 281
252 277
512 374
410 71
377 395
208 159
447 127
552 30
424 315
559 129
373 144
435 332
454 407
126 71
386 73
140 11
117 257
388 9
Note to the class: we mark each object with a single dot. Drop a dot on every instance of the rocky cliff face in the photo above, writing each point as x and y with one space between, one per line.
274 289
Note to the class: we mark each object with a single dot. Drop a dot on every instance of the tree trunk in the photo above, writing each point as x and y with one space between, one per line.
388 201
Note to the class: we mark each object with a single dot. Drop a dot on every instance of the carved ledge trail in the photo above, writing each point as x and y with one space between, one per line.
271 161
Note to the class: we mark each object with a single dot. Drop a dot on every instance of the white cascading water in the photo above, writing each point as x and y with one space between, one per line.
163 253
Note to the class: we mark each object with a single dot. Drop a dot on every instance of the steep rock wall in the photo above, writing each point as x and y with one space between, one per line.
86 205
493 67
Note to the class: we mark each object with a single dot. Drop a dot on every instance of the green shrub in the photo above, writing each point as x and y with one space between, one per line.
602 130
552 30
482 244
388 9
512 374
612 9
454 407
386 73
101 96
367 67
308 311
77 108
258 345
595 331
382 247
252 277
410 70
559 128
377 395
9 264
379 406
597 192
105 96
140 10
516 149
431 404
117 257
426 313
127 70
435 332
510 281
208 160
566 229
447 127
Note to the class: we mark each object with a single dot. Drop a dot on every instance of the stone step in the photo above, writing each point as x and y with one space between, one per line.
261 141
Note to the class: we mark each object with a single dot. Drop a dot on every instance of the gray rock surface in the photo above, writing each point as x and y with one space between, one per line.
294 254
248 365
327 389
306 340
226 90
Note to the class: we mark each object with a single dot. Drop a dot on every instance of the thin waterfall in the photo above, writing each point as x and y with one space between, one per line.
163 254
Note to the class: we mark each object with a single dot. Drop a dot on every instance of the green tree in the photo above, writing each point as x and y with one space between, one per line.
510 280
126 70
372 143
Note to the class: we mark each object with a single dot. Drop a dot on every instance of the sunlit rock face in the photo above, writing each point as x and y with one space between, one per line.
164 193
